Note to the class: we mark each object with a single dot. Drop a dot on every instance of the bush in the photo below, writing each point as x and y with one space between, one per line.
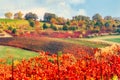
31 23
53 27
95 31
10 28
45 26
14 31
65 28
117 30
72 28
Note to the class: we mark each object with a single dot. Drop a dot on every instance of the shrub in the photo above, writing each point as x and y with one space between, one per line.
45 26
72 28
10 28
65 28
53 27
14 31
31 23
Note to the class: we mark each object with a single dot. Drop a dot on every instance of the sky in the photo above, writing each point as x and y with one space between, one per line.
62 8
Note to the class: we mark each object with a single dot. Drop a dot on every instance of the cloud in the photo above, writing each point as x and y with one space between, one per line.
67 1
77 1
39 11
62 8
82 12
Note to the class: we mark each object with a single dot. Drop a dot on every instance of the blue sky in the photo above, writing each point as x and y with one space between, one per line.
65 8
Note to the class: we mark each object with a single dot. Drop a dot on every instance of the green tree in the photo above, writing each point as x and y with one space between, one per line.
14 31
97 17
81 17
72 28
31 23
53 27
68 22
98 23
107 24
65 27
31 15
45 26
49 16
10 28
108 18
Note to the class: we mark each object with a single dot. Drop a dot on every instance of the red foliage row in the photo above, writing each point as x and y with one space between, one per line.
54 34
46 67
46 44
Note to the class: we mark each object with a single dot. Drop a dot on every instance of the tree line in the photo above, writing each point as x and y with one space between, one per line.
79 22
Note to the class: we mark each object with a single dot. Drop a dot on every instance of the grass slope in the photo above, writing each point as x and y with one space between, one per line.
6 52
14 21
114 40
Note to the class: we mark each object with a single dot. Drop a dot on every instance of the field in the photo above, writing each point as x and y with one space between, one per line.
16 53
114 40
50 45
85 43
56 55
66 66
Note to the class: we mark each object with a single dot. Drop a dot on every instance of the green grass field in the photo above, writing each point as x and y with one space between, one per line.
17 23
113 40
12 21
6 52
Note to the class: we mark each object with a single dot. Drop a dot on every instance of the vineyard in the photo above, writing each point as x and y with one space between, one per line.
59 40
51 45
104 64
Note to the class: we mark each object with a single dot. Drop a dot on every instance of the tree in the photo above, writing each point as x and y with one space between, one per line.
107 24
72 28
18 15
61 21
37 23
31 15
10 28
97 17
108 18
81 17
53 27
53 21
45 26
98 23
65 27
8 15
48 17
14 31
68 22
31 23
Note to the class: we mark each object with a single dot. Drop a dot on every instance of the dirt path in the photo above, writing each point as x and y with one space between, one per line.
6 35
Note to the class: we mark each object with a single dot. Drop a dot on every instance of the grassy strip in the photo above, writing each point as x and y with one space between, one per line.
113 40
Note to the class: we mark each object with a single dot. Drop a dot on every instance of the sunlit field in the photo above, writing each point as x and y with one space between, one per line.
59 40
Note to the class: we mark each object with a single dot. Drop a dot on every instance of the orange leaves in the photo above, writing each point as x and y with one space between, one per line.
45 67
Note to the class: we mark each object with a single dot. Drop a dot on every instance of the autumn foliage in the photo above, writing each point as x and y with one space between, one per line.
64 67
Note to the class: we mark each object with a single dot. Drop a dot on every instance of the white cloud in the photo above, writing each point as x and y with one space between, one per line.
61 8
77 1
82 12
39 11
64 10
67 1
